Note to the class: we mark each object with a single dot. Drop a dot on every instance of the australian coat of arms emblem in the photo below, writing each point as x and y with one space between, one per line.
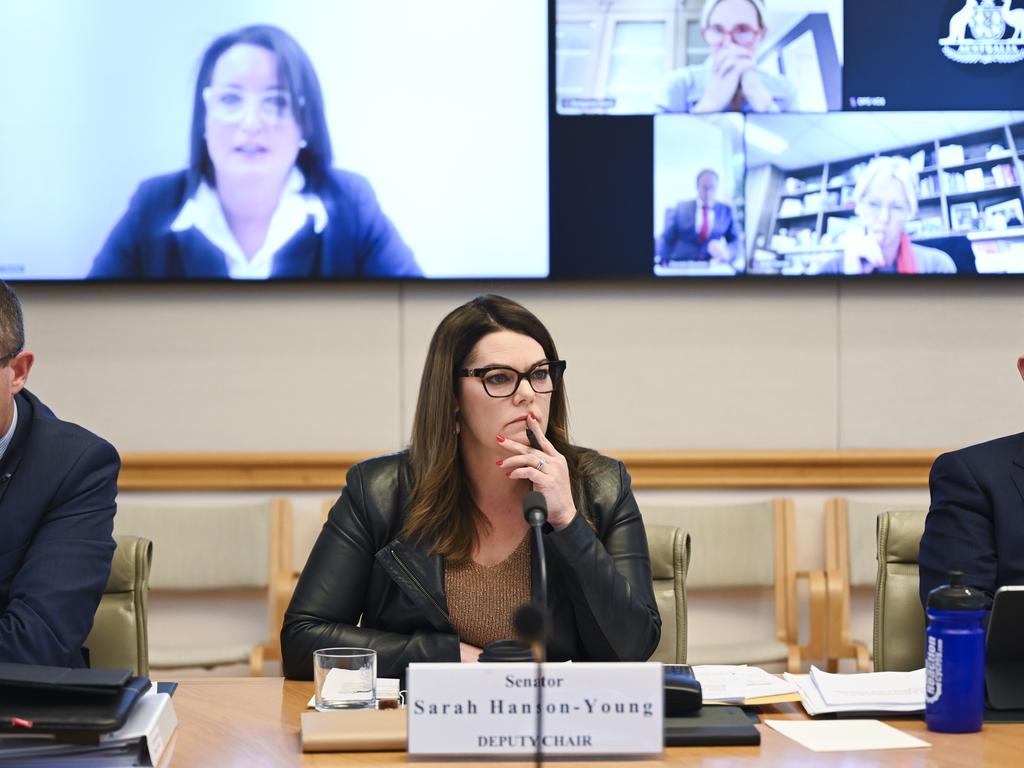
978 33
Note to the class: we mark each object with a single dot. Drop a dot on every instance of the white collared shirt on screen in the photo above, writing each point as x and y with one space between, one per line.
203 211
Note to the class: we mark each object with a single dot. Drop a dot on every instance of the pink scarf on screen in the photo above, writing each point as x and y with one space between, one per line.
906 264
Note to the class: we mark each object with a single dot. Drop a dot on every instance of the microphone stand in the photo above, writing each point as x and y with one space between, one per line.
531 620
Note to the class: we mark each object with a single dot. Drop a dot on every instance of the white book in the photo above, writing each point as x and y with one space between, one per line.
975 179
951 154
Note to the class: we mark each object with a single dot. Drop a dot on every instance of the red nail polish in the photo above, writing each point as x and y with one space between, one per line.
499 462
508 474
501 439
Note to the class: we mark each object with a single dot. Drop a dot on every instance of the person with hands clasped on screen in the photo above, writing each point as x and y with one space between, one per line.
729 79
427 555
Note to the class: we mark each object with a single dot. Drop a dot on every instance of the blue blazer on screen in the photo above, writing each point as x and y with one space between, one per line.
679 240
976 520
358 241
58 483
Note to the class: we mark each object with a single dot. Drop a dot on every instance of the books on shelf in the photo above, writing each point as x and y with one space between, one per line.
1004 174
928 186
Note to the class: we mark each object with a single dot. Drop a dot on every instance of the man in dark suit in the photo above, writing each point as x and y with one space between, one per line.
699 230
976 520
57 489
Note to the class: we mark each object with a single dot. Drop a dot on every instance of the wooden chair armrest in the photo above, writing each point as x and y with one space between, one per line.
256 661
815 647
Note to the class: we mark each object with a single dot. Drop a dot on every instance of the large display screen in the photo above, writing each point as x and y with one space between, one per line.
788 137
249 139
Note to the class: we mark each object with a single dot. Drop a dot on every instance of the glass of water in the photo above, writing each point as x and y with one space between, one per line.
345 678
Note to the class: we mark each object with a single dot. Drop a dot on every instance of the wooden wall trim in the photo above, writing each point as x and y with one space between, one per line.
649 469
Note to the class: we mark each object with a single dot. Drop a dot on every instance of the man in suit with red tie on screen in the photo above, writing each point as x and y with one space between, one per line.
700 230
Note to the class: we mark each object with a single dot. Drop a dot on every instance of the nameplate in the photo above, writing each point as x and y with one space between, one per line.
491 709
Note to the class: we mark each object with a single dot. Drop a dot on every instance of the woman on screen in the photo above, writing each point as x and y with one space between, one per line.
426 555
885 199
729 79
259 198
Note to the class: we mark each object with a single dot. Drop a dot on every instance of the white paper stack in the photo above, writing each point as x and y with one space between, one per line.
738 683
824 692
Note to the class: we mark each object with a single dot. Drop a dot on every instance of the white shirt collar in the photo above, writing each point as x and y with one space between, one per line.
5 441
203 212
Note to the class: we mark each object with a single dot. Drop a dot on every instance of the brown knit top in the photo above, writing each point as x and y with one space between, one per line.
481 599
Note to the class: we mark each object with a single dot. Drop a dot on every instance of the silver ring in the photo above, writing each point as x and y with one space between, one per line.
540 465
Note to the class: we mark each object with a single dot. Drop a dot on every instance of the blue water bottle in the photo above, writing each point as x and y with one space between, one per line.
955 658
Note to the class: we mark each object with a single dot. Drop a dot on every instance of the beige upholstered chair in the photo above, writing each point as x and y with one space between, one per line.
119 638
851 562
223 548
742 547
670 557
899 617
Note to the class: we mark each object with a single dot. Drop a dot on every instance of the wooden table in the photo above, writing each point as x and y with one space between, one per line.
249 722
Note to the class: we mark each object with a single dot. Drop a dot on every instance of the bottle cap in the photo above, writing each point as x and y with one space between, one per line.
957 596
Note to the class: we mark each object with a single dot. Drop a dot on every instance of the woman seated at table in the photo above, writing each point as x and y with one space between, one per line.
427 555
259 199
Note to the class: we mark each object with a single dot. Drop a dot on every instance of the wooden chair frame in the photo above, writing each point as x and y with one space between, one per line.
839 644
280 584
787 604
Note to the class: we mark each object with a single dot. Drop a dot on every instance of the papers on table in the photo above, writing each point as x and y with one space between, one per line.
824 692
845 735
740 684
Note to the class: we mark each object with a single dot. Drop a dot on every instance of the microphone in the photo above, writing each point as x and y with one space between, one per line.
531 619
535 509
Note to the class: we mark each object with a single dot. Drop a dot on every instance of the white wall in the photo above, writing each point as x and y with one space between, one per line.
683 365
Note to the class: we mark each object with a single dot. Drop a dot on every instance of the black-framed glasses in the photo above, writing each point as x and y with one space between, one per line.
502 381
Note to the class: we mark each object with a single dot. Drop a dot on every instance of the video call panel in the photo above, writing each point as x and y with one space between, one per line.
854 188
430 176
899 192
651 57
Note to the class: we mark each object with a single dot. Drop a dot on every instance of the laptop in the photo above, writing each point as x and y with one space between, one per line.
1004 650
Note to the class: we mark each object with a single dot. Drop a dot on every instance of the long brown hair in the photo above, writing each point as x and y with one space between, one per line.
441 515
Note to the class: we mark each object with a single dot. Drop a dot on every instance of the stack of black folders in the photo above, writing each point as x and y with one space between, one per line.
689 724
60 716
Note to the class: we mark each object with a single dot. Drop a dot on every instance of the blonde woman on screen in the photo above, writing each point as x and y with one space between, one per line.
729 79
885 199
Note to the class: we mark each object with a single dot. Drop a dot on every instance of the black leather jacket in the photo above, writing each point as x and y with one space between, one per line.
600 593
